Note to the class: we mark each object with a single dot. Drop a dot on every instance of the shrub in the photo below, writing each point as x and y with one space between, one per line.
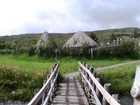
126 49
18 84
121 78
31 51
23 94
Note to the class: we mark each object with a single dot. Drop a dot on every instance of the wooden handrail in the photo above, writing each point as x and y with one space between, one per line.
39 95
52 86
105 94
93 91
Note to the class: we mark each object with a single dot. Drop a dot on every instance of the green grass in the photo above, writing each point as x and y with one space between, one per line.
29 64
37 64
70 64
121 78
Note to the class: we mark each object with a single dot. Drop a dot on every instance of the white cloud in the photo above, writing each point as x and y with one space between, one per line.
28 16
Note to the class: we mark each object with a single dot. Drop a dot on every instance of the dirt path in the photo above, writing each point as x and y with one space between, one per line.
116 65
74 74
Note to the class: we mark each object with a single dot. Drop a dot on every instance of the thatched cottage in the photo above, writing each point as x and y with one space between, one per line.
43 41
80 39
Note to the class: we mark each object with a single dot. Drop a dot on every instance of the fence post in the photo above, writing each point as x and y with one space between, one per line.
93 71
97 91
115 96
86 84
107 88
91 82
135 91
94 74
81 78
85 66
43 97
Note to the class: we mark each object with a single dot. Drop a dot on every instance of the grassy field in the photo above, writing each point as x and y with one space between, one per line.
37 64
21 75
29 64
70 64
121 78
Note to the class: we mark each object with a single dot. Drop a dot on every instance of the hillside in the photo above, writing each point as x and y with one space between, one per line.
105 34
61 38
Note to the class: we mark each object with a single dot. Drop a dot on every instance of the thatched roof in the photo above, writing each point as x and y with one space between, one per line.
80 39
43 41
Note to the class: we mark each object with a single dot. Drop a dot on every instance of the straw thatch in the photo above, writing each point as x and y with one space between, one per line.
80 39
43 41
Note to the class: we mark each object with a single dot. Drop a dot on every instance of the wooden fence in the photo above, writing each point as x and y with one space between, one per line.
96 93
46 92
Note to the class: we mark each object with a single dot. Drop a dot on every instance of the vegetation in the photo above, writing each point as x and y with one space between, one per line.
21 75
16 84
22 72
121 78
94 37
29 64
125 49
38 64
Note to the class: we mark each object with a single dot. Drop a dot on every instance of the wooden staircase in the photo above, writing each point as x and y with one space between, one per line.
70 92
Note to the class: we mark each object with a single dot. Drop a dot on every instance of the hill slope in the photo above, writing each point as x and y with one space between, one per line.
61 38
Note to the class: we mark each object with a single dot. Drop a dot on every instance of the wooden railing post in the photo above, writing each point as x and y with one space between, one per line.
116 97
86 84
81 78
85 66
43 97
107 88
94 74
97 90
91 82
93 71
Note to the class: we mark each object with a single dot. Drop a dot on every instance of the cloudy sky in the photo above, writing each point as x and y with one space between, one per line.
32 16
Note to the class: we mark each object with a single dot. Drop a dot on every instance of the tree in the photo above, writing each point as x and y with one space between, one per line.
52 44
94 37
136 34
112 37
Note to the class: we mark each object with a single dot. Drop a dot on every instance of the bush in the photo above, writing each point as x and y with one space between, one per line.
19 85
121 78
23 94
126 49
31 51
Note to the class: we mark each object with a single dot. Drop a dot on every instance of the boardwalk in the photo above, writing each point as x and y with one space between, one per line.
70 92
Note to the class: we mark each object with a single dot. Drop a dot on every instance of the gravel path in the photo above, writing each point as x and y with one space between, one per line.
75 74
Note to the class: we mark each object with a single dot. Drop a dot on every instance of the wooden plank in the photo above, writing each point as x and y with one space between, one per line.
70 93
107 96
